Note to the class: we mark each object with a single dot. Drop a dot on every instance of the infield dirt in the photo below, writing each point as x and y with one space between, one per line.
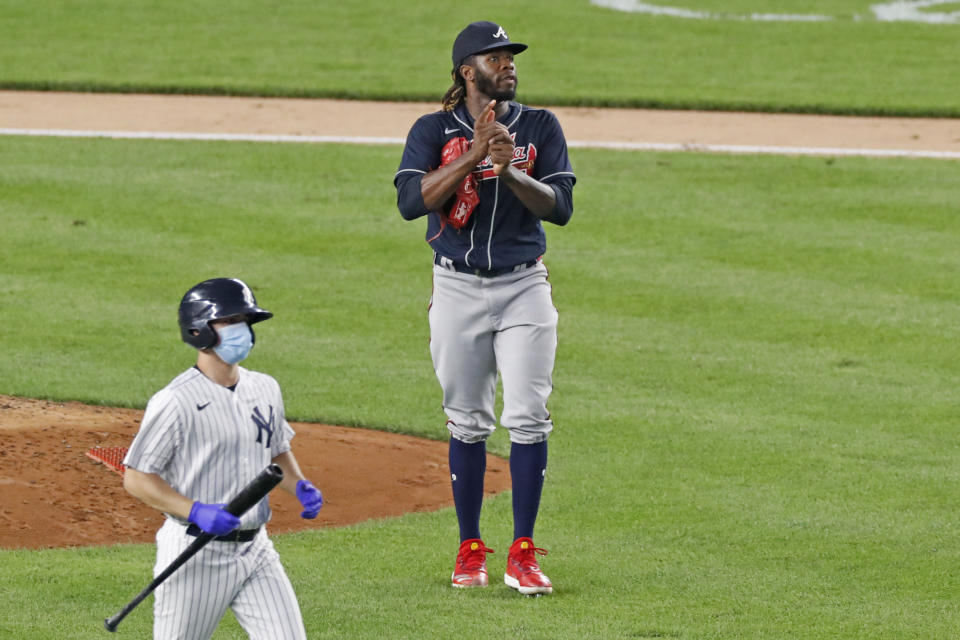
281 116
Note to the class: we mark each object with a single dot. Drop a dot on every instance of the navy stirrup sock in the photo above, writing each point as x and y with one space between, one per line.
528 464
468 464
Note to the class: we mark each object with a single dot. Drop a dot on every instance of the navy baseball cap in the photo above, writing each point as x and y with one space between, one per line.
478 37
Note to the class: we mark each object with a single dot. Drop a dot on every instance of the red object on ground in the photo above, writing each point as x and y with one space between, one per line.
110 456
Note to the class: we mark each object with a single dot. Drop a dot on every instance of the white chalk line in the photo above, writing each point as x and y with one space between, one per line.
169 135
897 11
583 144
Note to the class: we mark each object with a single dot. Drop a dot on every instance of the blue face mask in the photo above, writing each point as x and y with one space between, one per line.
236 340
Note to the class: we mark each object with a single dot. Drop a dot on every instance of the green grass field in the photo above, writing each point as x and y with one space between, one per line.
580 53
755 400
757 379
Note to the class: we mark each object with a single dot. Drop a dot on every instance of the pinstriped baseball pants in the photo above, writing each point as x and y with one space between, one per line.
246 577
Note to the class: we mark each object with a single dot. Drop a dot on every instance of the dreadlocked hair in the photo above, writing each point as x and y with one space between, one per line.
456 93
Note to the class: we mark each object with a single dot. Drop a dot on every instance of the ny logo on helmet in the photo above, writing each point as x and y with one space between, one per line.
263 425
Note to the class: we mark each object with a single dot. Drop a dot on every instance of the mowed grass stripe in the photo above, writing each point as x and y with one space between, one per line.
755 385
383 50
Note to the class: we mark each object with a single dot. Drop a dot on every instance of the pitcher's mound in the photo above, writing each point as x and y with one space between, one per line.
56 496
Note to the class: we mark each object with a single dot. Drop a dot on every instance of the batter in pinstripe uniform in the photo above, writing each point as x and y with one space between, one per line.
486 171
203 438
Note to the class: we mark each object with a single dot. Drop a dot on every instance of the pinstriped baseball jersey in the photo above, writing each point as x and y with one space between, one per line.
208 441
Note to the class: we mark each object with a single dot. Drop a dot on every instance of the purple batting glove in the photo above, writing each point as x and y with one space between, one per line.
311 499
213 519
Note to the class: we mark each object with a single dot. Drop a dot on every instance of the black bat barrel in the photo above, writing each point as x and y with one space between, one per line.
254 492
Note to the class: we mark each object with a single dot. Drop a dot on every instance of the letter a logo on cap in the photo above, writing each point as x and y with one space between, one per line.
501 34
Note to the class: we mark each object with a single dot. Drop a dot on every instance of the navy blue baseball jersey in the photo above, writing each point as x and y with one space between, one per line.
500 233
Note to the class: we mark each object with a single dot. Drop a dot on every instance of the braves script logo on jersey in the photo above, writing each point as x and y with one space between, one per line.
523 159
263 425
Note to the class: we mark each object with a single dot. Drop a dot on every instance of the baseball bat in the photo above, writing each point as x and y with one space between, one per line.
248 496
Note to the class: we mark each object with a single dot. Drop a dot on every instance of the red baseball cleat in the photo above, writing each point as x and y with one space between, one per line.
471 569
523 572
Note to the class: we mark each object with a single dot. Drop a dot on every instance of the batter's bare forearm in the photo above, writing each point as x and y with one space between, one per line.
538 198
154 492
291 471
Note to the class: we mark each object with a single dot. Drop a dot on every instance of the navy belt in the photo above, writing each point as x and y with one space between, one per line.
447 263
240 535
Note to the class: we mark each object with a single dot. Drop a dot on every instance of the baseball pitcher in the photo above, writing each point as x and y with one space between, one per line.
487 171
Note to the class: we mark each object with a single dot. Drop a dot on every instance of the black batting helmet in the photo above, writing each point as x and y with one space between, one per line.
211 300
